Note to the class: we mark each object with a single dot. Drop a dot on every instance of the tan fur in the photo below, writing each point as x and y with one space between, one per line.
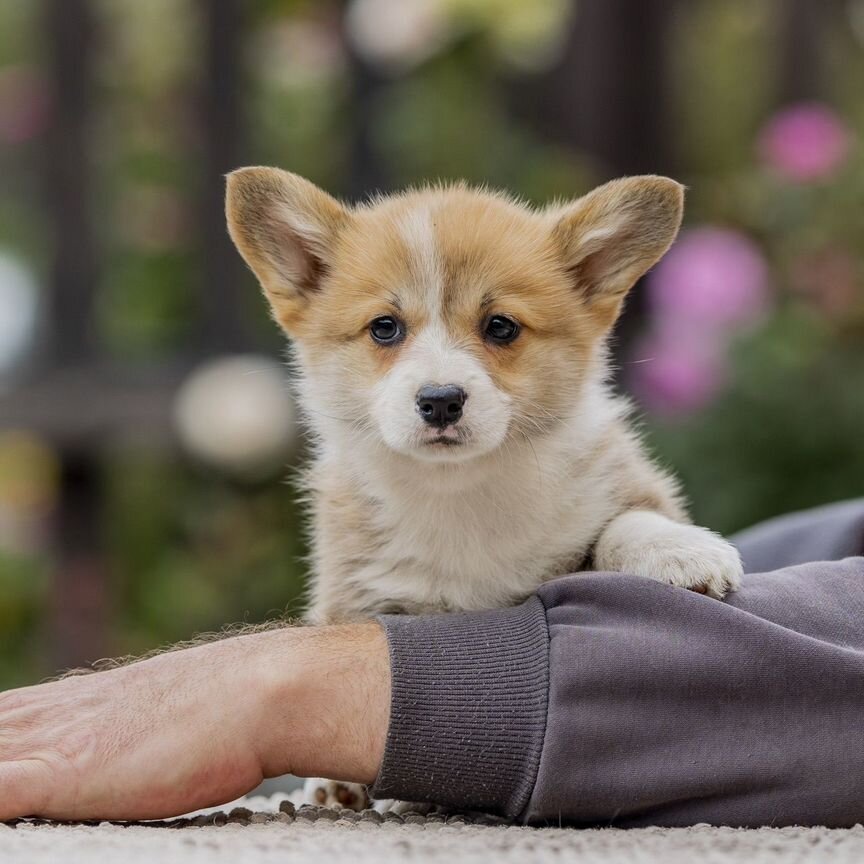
547 476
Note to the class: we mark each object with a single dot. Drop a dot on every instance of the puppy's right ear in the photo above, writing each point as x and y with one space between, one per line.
284 227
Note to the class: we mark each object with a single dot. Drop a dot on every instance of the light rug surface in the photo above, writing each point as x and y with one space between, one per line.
255 831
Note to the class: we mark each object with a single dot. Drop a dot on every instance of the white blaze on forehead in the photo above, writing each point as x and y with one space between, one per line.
431 352
434 356
418 231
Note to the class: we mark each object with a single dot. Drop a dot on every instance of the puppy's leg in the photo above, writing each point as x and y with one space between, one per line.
649 544
353 796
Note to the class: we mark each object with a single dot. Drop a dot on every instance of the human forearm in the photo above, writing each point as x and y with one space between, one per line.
328 718
197 726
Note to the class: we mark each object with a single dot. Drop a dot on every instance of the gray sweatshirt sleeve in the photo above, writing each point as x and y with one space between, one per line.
610 699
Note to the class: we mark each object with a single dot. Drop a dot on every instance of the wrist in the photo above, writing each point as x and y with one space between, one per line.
323 701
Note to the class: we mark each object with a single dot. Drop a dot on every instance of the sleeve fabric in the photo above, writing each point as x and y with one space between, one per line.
823 534
468 708
614 700
669 708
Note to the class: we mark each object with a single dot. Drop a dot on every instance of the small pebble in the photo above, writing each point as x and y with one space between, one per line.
329 814
283 817
261 818
393 817
457 819
287 806
306 812
487 820
182 822
205 819
240 813
370 815
414 819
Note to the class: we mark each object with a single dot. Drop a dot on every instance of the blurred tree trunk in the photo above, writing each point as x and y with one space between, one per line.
803 26
608 95
608 98
80 580
221 310
366 172
69 39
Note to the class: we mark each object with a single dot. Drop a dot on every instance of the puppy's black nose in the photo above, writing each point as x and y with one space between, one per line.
440 406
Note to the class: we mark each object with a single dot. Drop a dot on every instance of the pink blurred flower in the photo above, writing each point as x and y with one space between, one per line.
712 279
828 277
675 376
23 104
805 142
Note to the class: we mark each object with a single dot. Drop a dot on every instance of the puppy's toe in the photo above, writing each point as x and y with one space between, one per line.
332 793
699 560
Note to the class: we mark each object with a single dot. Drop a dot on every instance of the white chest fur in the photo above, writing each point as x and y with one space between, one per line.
448 537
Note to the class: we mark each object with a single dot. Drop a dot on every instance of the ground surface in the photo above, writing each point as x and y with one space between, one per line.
322 836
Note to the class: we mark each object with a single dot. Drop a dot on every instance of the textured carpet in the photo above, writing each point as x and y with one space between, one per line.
260 833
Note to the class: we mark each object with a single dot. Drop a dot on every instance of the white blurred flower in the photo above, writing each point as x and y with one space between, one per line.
236 414
149 46
855 10
398 34
298 52
19 311
528 35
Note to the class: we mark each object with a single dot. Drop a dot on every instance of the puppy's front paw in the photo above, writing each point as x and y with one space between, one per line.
332 793
648 544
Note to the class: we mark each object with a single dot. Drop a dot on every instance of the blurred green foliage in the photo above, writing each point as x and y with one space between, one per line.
786 435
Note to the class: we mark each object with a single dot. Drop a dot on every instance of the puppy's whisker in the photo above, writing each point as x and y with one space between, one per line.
536 461
309 410
538 407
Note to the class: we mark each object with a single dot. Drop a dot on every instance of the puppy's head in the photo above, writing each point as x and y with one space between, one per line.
443 321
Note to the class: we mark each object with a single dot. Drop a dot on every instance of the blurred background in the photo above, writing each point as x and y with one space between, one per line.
146 431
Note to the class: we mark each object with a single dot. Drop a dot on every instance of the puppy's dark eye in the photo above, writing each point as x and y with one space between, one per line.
386 330
501 329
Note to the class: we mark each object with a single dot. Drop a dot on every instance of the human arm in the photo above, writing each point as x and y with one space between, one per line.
197 726
663 707
605 698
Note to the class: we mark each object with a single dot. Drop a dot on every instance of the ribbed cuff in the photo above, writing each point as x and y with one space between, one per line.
468 708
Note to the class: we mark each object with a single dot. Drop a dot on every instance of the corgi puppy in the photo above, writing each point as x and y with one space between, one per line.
450 345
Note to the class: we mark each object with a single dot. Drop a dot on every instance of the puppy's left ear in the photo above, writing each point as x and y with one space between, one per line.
613 235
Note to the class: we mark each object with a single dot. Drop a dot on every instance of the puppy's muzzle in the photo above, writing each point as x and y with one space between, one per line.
440 406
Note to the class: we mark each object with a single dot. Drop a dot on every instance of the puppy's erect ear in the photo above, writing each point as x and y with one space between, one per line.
612 235
284 227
